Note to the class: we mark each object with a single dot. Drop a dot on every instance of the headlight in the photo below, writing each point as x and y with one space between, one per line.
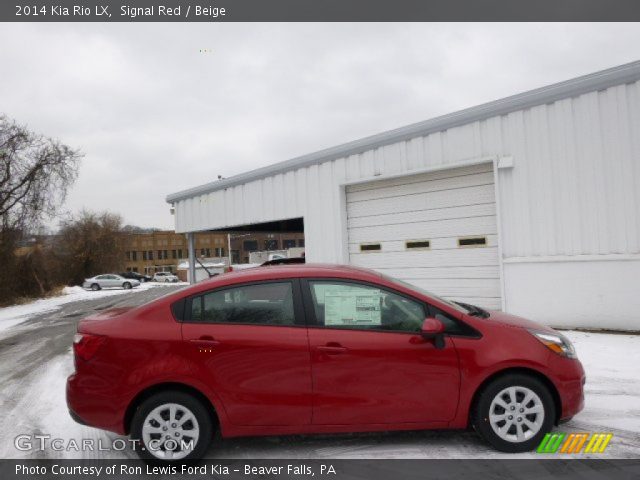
556 343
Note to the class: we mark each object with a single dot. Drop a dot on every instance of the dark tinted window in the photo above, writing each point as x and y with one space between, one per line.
264 304
250 245
271 244
451 325
178 309
350 305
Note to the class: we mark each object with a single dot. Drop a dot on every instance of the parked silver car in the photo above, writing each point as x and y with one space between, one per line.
109 280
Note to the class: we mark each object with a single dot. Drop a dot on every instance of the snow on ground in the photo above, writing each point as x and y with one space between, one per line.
14 315
612 366
38 417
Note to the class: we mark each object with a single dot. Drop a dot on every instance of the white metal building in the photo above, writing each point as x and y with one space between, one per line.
530 203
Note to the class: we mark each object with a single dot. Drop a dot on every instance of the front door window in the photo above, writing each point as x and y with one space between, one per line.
364 307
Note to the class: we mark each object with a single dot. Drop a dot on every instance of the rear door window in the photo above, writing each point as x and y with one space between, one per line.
259 304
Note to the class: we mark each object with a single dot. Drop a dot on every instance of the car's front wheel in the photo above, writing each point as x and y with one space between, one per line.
95 287
514 412
126 285
172 426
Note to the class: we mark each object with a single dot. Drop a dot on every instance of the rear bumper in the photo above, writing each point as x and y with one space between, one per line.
76 418
92 406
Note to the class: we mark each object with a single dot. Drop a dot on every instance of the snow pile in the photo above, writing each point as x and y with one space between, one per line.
244 266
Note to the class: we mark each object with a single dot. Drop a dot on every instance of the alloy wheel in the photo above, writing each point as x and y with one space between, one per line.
516 414
170 431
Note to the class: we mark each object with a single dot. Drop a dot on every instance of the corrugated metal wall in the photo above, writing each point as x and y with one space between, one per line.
573 189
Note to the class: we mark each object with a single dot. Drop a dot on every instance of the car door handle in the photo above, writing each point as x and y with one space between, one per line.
332 349
205 340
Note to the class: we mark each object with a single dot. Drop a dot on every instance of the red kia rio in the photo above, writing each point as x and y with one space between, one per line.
305 349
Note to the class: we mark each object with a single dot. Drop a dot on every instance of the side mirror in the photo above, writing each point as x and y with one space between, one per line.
433 329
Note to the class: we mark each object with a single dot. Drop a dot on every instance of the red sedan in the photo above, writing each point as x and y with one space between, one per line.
317 349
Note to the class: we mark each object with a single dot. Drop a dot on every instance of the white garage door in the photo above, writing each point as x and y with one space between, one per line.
435 230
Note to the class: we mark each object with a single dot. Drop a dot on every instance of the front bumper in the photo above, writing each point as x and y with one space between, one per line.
569 381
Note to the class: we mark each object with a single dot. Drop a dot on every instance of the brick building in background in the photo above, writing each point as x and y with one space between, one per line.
163 250
242 244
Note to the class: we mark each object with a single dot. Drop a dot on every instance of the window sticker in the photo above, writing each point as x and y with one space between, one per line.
345 305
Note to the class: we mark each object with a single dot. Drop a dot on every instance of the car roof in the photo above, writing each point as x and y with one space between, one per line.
296 270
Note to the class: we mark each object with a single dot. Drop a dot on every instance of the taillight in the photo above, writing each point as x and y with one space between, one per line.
85 345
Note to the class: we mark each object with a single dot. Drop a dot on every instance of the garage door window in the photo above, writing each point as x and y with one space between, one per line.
417 244
266 304
364 307
472 242
370 247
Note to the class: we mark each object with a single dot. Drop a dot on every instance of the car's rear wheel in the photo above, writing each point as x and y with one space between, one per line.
172 426
514 412
95 287
126 285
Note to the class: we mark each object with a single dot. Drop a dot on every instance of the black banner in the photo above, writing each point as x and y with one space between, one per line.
555 468
316 10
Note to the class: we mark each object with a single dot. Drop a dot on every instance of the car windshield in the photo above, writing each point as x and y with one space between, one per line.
411 286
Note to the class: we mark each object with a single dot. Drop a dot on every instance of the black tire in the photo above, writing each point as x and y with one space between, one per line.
95 287
126 285
480 412
201 413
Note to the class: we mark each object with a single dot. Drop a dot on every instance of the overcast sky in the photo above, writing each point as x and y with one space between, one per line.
154 114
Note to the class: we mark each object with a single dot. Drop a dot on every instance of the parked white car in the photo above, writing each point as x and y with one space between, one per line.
109 280
165 277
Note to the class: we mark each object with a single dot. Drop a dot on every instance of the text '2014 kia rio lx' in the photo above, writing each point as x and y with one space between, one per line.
317 349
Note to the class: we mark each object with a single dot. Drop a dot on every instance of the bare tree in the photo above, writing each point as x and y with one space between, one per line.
35 175
89 245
